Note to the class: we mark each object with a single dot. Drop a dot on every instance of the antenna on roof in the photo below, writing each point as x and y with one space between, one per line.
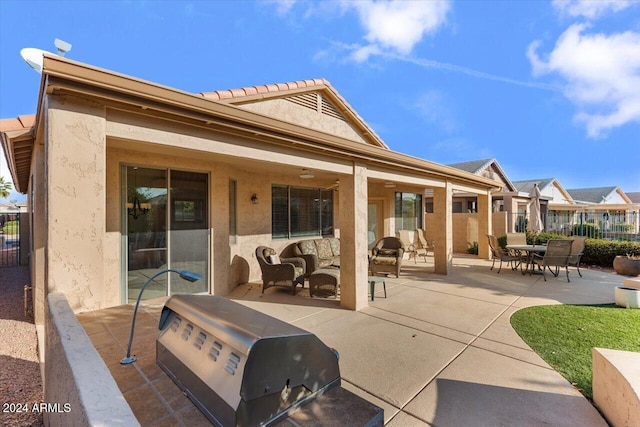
34 57
63 46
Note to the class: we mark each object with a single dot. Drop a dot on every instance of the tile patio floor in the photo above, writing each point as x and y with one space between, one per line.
438 351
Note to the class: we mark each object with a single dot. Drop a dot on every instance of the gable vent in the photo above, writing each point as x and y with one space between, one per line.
308 100
317 102
330 110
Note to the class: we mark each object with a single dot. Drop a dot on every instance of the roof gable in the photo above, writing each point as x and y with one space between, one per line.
488 168
310 103
598 195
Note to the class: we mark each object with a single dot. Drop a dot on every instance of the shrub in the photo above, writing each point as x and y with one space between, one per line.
541 239
10 228
502 241
473 248
602 252
588 229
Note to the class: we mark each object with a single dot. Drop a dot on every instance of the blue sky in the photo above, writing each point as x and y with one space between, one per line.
548 88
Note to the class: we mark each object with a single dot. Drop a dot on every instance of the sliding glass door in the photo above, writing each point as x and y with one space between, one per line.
166 227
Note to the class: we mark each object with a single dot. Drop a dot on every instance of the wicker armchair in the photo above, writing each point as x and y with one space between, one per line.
387 256
288 273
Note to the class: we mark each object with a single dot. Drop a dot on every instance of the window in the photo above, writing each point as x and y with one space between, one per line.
408 211
297 212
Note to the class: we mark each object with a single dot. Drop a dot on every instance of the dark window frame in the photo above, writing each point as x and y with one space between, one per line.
301 212
401 207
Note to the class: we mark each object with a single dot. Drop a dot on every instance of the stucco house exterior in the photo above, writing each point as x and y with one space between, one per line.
125 177
607 207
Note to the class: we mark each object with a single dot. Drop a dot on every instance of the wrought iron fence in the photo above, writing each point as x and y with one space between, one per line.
616 225
9 240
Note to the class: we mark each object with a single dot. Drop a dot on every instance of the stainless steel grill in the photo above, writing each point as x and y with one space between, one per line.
239 366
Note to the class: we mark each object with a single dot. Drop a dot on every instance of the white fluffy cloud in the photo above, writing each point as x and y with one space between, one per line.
602 74
590 9
397 25
392 27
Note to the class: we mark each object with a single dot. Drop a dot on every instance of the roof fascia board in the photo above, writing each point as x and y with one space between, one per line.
93 77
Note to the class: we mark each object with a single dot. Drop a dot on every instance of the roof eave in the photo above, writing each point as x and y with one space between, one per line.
87 76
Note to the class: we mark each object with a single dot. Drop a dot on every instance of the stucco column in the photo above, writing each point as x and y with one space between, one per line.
75 152
511 207
484 224
353 239
443 228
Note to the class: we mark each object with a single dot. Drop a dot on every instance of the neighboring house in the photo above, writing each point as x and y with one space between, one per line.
599 196
554 197
488 168
608 207
125 177
634 197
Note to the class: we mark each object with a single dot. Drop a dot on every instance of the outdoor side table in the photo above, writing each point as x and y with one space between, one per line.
372 285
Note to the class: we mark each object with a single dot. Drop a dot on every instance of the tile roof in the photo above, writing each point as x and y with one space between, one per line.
591 195
20 123
231 94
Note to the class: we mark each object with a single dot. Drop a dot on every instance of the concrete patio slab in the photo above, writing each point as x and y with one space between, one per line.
472 391
376 355
439 350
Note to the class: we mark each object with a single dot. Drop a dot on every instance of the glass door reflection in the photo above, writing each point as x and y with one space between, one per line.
146 209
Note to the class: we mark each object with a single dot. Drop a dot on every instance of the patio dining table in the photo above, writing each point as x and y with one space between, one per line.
530 251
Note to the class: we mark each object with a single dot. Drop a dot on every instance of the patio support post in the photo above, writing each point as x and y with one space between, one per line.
484 224
443 228
353 239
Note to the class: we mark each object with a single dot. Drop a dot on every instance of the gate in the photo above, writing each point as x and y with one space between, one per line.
9 240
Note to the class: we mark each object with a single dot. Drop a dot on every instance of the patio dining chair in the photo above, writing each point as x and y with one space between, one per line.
498 253
409 247
423 245
577 250
557 255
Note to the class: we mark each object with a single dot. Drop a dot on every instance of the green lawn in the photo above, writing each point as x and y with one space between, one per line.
563 335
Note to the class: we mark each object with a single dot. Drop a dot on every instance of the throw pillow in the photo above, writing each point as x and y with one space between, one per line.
274 259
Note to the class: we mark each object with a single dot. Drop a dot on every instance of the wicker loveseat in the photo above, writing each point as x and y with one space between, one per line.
319 253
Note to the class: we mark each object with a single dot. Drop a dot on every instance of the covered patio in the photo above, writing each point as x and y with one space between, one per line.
439 350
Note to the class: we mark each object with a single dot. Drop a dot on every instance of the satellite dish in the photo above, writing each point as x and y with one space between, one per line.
33 57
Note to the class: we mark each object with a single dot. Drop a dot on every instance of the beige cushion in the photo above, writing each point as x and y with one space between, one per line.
335 246
384 260
324 249
308 247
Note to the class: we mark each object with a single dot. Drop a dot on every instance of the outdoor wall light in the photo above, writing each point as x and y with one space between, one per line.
254 199
186 275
